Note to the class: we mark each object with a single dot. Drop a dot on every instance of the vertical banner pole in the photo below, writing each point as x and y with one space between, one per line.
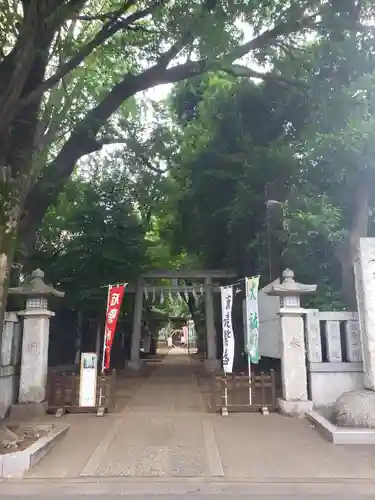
104 337
228 337
114 300
251 324
104 341
250 381
226 395
246 336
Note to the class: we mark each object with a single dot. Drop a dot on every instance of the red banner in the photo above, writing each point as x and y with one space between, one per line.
115 296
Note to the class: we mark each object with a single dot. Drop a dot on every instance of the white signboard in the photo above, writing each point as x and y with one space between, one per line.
87 383
228 335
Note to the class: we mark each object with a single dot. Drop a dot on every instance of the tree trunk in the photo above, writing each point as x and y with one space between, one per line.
348 290
11 196
5 266
22 71
8 233
358 229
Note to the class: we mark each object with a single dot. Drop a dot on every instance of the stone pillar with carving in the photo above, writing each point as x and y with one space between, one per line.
36 323
356 408
364 267
293 357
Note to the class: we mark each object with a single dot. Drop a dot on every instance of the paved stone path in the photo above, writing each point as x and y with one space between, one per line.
166 432
171 388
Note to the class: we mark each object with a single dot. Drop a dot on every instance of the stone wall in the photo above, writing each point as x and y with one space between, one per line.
332 342
334 355
9 362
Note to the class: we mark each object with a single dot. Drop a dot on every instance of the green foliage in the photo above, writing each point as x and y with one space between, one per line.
309 147
229 140
92 238
225 170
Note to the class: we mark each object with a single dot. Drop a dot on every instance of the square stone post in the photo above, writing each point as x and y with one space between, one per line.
211 363
34 358
364 267
34 364
134 363
293 357
9 362
8 339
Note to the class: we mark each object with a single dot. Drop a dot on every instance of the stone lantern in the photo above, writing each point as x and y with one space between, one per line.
36 323
293 357
289 290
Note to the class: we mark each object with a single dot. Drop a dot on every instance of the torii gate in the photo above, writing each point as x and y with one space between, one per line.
207 276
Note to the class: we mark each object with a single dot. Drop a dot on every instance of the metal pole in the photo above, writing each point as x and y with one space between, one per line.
103 355
250 381
246 338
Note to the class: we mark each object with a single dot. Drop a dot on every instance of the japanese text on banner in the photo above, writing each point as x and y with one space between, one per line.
252 319
228 334
115 296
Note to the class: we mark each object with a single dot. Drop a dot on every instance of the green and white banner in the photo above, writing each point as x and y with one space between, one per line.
252 319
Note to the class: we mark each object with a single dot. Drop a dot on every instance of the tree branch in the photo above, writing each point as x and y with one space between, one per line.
146 162
96 17
35 35
135 150
82 139
107 31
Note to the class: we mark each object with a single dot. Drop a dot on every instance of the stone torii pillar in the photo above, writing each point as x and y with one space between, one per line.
134 363
36 323
293 356
211 362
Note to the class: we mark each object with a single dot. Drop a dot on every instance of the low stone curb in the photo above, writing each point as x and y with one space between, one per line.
14 465
340 435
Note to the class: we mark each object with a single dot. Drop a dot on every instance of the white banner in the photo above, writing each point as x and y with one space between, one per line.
252 319
228 335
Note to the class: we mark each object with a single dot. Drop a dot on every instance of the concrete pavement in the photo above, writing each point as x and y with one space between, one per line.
156 488
165 432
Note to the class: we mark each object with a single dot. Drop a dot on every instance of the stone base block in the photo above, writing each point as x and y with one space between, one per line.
341 435
26 411
14 465
294 408
211 364
9 384
134 366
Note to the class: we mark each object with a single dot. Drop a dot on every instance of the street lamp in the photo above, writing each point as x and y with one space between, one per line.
270 204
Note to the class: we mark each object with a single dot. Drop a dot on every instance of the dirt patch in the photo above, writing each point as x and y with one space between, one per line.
18 437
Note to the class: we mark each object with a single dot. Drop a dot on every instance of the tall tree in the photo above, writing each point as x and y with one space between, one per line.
314 143
160 41
238 142
92 237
